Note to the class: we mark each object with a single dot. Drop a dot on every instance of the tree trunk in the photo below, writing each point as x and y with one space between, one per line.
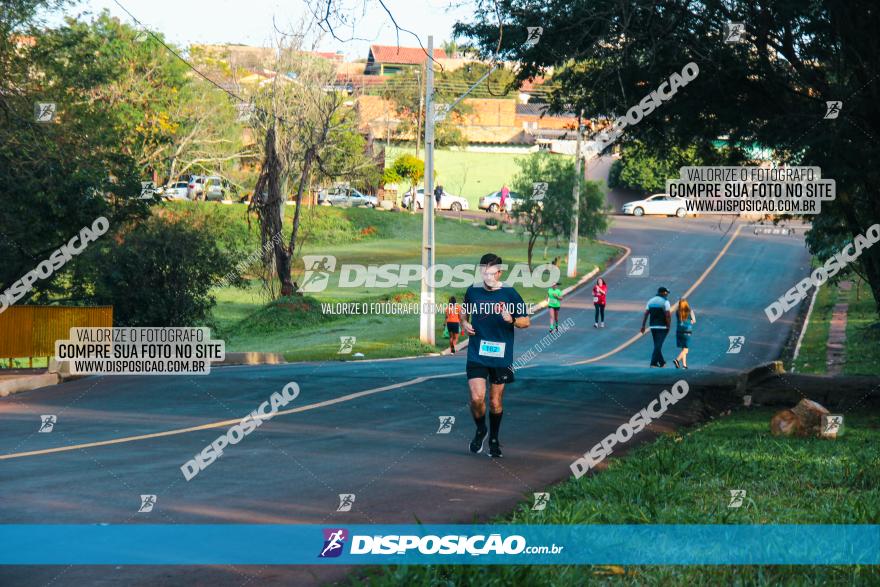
268 202
532 240
303 181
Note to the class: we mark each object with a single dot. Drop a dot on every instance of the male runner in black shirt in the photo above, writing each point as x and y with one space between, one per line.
491 313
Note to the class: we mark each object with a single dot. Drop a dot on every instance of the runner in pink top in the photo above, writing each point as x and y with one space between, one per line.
505 193
600 290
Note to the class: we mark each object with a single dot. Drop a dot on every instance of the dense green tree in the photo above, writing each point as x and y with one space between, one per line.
57 177
768 89
158 272
406 168
647 171
550 216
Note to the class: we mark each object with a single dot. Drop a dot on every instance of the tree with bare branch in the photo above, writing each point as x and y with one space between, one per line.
304 123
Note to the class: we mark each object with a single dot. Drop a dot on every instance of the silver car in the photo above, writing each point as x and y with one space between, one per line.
179 190
343 197
492 202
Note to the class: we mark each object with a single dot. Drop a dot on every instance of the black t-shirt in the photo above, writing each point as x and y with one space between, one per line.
492 345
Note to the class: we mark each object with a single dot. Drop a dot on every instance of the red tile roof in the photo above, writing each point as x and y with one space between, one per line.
405 55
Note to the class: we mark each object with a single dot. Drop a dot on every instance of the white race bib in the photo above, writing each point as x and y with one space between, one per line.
489 348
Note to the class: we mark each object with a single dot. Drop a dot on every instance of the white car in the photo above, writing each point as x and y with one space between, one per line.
178 190
492 202
663 204
447 201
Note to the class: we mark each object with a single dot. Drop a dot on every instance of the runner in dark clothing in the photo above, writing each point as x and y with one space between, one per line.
492 311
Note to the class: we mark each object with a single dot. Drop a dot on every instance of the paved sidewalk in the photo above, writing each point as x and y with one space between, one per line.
837 331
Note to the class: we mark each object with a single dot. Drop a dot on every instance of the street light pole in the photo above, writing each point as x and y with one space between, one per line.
573 239
421 105
426 315
426 318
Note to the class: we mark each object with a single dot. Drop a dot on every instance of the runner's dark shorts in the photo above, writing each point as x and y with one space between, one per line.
496 375
453 327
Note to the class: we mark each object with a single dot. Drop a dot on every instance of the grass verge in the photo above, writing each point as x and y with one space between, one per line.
685 478
814 349
862 332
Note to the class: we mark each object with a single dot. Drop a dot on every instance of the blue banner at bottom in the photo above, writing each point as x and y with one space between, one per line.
168 544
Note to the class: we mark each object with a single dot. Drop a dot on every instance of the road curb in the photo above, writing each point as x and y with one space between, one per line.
252 358
757 375
27 383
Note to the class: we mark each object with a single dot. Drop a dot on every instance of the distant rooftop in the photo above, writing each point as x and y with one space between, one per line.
402 55
540 110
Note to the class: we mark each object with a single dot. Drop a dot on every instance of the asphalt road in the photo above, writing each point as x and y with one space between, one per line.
370 427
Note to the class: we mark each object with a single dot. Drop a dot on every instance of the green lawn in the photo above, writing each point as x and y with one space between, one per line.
685 478
246 325
466 173
862 333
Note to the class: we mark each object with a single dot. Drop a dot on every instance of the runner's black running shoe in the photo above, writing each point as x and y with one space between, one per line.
476 445
495 448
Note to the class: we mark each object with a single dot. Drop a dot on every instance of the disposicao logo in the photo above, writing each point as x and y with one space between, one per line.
334 542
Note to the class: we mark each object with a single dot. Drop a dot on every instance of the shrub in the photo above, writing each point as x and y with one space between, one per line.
158 273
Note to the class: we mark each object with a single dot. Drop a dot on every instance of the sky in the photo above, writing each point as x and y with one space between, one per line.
250 22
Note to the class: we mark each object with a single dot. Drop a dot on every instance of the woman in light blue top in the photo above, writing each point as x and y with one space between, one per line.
683 332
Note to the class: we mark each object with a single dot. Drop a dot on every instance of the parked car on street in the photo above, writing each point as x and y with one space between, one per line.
217 188
492 202
196 187
345 197
662 204
447 201
178 190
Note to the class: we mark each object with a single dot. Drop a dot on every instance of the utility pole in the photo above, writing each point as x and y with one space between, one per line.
421 105
426 319
426 315
576 209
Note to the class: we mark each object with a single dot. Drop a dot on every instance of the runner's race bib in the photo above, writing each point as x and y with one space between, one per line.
492 349
595 299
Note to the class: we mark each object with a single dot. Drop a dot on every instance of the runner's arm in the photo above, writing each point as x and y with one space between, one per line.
644 321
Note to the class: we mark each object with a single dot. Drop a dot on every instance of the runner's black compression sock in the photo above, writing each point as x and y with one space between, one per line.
480 421
494 424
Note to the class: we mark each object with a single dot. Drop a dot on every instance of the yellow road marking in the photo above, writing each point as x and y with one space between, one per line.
224 423
350 396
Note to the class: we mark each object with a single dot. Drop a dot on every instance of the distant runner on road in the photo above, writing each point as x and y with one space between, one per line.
491 312
554 302
453 322
600 291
